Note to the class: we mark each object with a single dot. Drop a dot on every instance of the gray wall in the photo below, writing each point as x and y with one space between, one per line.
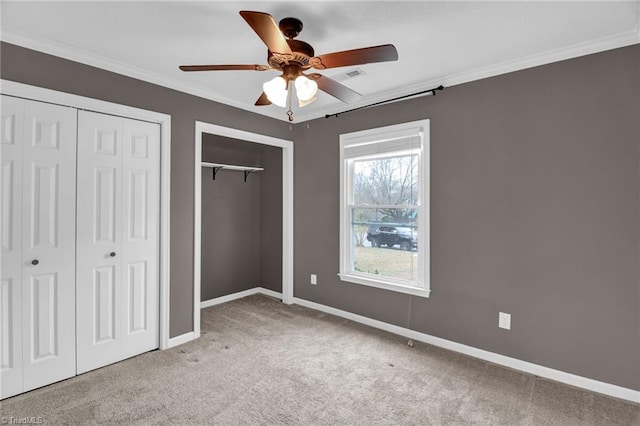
534 194
241 221
534 203
271 219
38 69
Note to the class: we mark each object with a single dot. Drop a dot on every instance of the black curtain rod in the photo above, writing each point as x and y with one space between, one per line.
432 91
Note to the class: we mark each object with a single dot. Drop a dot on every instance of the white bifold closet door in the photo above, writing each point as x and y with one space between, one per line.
118 239
37 291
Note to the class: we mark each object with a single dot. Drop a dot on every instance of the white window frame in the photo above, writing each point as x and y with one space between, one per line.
364 140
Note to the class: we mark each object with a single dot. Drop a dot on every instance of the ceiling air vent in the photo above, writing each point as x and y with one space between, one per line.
356 72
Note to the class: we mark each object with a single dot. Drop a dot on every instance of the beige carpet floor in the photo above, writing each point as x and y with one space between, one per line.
260 362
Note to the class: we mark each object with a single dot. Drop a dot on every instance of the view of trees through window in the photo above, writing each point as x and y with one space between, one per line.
384 216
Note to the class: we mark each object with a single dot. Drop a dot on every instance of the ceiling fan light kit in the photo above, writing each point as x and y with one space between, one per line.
292 57
278 90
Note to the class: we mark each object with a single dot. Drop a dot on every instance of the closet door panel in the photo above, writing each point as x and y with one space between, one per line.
99 257
11 139
48 244
80 251
140 235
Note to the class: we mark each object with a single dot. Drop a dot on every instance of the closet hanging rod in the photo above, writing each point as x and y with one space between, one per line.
219 166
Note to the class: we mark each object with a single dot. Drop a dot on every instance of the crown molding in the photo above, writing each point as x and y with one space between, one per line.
86 58
555 55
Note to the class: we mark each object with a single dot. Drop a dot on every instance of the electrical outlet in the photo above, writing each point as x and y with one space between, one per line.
314 279
504 320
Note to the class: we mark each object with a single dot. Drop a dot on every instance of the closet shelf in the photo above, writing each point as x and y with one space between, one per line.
219 166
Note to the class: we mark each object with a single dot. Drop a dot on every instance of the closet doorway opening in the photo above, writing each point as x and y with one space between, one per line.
243 216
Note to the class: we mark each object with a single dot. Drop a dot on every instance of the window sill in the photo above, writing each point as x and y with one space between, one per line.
356 279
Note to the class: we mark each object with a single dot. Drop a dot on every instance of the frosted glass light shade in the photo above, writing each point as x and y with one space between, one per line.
306 89
276 91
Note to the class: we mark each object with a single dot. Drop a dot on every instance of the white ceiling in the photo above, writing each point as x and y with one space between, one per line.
438 42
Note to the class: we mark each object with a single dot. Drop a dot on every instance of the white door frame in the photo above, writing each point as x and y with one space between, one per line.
35 93
287 208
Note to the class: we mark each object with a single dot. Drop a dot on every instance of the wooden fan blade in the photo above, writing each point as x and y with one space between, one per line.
263 100
268 31
224 67
366 55
335 89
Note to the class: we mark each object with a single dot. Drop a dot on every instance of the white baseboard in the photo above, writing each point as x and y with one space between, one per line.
228 298
538 370
240 295
270 293
183 338
516 364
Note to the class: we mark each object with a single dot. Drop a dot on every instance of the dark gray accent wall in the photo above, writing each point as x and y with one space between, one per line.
534 211
38 69
241 221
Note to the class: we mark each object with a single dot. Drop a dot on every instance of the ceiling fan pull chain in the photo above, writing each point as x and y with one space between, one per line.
289 89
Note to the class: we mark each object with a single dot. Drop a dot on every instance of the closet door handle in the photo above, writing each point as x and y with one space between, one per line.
34 262
112 254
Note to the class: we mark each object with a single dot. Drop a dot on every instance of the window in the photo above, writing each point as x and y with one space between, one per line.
384 212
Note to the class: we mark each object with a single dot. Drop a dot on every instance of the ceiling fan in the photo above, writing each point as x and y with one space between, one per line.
293 57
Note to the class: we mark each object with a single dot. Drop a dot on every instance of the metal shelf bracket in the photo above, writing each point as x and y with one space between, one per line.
215 171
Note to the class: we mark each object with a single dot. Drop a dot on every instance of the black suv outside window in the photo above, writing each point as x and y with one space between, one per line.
391 236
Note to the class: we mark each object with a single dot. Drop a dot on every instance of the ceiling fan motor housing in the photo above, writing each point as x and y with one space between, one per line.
302 52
